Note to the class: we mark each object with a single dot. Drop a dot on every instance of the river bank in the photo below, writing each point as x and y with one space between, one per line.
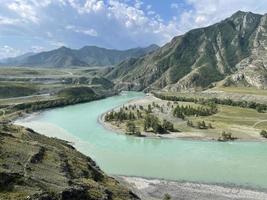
155 189
242 132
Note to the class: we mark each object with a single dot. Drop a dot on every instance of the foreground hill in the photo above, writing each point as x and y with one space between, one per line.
84 57
233 51
33 166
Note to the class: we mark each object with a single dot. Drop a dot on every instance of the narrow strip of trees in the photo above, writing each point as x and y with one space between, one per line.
182 111
243 104
200 125
121 115
59 102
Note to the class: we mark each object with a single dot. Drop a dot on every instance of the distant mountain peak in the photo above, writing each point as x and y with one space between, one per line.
242 14
84 57
63 48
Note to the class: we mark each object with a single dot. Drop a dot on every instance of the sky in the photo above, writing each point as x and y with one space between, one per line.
42 25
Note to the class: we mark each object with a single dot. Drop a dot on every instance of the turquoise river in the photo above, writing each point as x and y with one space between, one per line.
239 163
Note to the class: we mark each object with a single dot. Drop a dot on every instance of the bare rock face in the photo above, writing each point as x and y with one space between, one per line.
34 167
234 50
253 69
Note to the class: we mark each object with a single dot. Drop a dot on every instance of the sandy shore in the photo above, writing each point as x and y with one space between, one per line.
154 189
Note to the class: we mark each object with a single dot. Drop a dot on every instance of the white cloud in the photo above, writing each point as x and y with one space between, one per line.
174 5
207 12
24 10
200 19
148 7
7 51
93 5
88 7
138 4
36 49
151 12
131 20
8 21
57 44
85 31
49 34
90 32
43 3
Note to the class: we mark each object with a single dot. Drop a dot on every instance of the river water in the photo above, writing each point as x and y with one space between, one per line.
239 163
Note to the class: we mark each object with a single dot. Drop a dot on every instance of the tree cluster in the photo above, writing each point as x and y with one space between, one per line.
200 125
263 133
121 115
182 111
226 137
132 129
153 122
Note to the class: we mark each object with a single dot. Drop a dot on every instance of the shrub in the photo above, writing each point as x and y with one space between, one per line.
263 133
167 197
132 129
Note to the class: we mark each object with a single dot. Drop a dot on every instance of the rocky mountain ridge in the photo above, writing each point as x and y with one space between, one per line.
231 52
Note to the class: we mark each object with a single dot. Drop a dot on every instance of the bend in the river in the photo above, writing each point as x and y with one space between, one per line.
241 163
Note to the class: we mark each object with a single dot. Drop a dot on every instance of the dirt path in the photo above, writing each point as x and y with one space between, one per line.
257 123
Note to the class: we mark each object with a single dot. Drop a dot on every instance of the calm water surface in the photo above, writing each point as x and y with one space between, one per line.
241 163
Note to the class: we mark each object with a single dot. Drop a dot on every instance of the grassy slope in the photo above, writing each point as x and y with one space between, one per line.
9 89
242 90
33 165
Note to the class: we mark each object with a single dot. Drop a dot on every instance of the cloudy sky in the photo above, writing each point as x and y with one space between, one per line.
38 25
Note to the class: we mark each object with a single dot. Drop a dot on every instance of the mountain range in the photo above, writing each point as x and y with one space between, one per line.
85 57
231 52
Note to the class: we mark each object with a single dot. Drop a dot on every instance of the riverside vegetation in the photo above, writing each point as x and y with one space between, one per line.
190 117
137 119
146 121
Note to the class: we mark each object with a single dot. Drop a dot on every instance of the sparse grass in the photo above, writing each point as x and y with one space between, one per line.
242 90
239 121
18 71
53 173
11 89
261 125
